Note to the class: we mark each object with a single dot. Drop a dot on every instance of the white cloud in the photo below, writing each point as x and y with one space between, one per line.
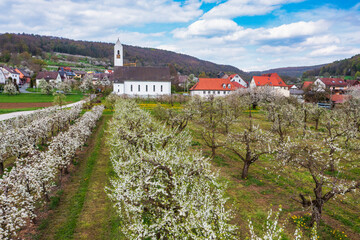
334 50
320 40
90 19
212 27
237 8
228 30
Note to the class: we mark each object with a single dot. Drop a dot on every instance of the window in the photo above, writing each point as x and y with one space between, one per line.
161 88
213 92
139 88
224 92
218 92
204 92
229 85
153 88
209 92
224 85
146 87
131 89
118 90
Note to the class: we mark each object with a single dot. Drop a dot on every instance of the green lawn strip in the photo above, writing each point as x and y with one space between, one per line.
67 229
36 97
98 218
10 110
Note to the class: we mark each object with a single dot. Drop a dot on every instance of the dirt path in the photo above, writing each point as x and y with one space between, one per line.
84 211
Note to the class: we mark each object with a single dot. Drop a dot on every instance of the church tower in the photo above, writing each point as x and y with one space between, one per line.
118 54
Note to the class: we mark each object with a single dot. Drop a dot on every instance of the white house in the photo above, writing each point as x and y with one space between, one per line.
214 86
271 80
2 77
11 73
238 79
51 77
139 81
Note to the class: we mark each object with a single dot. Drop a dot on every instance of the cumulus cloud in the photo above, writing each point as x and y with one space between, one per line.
212 27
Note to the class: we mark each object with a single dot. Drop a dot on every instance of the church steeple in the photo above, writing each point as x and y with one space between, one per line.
118 54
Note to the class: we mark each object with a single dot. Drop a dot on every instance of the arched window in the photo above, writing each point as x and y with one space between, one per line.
118 54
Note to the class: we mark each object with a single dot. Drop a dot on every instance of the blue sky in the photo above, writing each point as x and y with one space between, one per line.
248 34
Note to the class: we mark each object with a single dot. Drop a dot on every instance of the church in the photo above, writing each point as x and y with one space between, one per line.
139 81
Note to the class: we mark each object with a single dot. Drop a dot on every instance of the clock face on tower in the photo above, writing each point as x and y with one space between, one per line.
118 54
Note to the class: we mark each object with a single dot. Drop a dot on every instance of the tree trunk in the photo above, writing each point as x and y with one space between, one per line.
245 170
213 151
316 124
316 214
1 168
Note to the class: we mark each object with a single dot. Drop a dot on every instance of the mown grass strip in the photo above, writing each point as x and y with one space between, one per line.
66 231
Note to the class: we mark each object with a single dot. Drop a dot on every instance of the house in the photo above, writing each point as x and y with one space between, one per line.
24 75
214 86
307 85
11 73
138 81
51 77
238 79
2 77
336 85
79 74
108 71
271 80
222 75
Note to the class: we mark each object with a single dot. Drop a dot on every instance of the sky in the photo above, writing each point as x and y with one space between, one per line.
248 34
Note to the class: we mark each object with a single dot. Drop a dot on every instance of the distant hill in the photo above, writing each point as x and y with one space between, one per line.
345 67
288 71
37 45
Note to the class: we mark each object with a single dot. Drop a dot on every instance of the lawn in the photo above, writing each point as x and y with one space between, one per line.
36 97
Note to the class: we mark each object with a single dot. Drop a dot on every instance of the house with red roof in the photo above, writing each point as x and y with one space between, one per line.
214 86
238 79
271 80
336 85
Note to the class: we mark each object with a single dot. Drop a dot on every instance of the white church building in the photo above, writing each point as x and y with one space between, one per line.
139 81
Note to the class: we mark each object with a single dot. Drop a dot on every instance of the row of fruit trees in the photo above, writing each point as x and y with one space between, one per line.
35 172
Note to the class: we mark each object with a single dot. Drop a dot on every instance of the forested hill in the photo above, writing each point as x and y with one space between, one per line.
36 45
346 67
288 71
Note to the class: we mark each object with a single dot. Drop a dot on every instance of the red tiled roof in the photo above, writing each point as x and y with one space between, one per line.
340 98
270 79
307 84
351 83
334 82
216 84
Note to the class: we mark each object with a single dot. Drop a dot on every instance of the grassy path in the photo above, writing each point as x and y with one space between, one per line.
84 211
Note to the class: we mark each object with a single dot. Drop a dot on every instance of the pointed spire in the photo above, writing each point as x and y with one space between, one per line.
118 41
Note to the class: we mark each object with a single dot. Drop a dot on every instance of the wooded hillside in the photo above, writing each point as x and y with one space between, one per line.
36 45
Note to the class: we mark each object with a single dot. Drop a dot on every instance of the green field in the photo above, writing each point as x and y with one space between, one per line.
35 97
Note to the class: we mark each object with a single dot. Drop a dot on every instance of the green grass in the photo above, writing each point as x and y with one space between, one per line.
35 97
66 231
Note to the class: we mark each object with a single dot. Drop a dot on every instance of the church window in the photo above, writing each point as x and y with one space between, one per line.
224 92
131 88
139 88
118 54
118 90
153 88
161 88
146 87
218 92
209 92
204 92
